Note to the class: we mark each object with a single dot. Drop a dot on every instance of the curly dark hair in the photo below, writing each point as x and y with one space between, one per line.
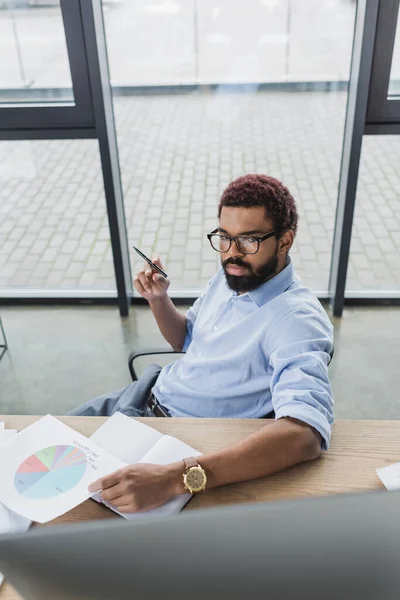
261 190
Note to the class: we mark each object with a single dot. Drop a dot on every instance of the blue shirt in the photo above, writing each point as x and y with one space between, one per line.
249 354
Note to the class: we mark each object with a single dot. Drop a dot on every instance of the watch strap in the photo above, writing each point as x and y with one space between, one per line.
190 462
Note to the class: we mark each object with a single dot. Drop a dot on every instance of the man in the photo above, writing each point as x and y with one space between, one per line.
256 341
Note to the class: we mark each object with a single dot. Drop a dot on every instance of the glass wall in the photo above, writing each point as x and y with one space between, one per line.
212 42
54 233
204 91
375 245
394 84
33 54
180 147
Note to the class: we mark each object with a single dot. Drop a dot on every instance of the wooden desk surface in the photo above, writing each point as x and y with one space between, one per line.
357 449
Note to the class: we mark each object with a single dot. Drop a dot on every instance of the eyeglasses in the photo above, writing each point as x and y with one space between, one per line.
247 244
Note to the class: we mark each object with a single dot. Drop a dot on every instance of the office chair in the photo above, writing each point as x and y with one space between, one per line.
134 355
159 351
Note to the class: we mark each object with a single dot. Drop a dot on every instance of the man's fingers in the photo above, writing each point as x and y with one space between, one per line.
125 508
125 504
141 287
156 260
95 486
138 286
112 493
157 278
144 282
105 482
147 269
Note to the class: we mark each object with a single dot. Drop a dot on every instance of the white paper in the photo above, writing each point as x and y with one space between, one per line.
169 450
4 519
7 435
390 476
135 442
172 507
10 522
1 426
125 438
41 491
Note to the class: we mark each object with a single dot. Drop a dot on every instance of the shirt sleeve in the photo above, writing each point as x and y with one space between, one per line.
300 387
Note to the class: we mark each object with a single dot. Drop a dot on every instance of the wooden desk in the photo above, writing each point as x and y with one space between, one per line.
357 449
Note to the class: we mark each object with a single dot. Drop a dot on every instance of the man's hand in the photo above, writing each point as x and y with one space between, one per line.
141 487
149 284
153 287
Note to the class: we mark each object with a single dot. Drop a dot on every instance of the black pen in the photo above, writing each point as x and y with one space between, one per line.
153 266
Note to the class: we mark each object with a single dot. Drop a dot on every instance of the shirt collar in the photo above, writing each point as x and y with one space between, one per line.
275 286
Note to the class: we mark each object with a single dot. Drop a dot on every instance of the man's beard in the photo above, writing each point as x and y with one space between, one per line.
254 278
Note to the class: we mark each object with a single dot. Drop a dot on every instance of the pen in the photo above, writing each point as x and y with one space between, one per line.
153 266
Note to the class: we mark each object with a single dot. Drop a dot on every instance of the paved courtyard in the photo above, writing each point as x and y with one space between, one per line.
177 153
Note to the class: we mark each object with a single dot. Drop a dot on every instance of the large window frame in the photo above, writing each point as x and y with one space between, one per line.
370 111
383 111
90 115
63 119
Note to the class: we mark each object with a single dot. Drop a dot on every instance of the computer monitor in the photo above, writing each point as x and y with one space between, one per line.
340 547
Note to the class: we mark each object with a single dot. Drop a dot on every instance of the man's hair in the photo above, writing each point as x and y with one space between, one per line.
261 190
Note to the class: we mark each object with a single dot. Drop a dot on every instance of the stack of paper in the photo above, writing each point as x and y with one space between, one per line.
10 522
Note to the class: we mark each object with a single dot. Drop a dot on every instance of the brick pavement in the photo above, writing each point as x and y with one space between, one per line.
177 153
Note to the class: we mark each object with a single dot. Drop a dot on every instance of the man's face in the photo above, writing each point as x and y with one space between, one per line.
246 272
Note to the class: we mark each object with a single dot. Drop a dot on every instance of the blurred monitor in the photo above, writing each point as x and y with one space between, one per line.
344 547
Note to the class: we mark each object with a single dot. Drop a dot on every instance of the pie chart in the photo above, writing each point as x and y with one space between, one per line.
50 472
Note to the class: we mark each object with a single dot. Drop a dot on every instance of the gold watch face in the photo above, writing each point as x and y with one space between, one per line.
195 479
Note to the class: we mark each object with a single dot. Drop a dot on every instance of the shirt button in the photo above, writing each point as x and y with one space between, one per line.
215 327
201 353
161 388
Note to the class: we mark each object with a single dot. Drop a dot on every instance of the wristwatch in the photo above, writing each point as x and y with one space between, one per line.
194 478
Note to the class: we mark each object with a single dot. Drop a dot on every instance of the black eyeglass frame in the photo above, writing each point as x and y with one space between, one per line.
236 237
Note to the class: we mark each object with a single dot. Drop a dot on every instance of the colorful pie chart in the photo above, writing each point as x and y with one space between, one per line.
50 472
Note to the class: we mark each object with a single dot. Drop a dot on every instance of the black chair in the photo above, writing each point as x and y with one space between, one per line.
134 355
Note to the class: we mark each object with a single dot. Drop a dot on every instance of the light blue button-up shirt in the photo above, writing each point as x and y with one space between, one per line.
249 354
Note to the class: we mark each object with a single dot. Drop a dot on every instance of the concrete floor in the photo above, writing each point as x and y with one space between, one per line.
59 357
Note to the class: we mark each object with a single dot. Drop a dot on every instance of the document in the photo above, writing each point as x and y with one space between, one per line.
6 436
10 522
390 476
46 469
134 442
